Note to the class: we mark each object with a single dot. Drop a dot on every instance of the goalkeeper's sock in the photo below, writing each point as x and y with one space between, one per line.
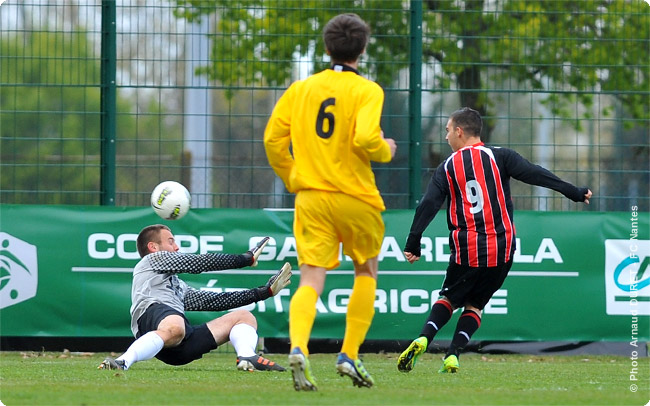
467 325
302 312
244 338
361 310
440 314
142 349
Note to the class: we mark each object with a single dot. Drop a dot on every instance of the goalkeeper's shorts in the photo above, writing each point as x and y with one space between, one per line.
324 220
198 340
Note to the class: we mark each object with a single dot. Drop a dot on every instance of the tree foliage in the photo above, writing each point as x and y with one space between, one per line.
256 41
570 50
50 132
43 148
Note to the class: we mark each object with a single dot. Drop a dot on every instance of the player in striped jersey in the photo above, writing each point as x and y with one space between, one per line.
475 182
160 299
320 139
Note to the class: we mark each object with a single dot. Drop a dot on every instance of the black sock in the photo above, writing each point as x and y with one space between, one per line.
439 316
467 325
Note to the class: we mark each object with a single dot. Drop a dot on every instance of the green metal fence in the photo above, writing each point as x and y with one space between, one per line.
102 100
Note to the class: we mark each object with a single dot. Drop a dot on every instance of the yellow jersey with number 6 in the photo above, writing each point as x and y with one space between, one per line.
331 123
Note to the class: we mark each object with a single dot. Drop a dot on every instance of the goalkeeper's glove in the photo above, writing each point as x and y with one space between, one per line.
280 280
255 252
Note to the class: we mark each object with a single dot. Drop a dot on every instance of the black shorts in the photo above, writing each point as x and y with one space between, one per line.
465 285
198 340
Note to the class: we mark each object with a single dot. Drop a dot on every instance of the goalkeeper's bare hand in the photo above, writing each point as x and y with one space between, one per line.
280 280
255 252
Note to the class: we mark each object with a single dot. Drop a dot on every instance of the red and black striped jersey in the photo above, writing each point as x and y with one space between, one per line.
475 181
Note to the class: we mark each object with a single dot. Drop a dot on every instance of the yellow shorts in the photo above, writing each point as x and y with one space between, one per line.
323 220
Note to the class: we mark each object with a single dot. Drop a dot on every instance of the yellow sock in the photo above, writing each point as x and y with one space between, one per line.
302 312
361 310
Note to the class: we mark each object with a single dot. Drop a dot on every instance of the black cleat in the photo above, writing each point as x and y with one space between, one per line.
257 363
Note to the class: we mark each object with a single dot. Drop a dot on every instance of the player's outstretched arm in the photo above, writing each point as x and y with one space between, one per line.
209 301
203 300
521 169
176 262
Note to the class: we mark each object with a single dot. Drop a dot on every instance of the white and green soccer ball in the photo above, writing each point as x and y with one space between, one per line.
170 200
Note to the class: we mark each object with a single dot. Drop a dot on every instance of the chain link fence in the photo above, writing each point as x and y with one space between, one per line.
102 100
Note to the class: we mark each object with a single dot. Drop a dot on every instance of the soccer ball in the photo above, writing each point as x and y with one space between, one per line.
170 200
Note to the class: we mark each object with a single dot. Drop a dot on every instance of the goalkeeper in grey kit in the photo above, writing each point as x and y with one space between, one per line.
160 300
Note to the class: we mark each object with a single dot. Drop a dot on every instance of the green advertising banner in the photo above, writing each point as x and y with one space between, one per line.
66 271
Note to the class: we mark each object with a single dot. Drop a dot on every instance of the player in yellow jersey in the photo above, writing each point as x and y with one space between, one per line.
331 122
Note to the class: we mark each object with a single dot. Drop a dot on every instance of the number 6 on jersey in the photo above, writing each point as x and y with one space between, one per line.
325 116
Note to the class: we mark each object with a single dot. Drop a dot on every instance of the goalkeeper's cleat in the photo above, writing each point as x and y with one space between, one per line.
450 365
301 371
409 357
355 370
257 363
110 363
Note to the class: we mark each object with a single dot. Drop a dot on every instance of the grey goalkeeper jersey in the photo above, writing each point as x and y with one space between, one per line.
155 280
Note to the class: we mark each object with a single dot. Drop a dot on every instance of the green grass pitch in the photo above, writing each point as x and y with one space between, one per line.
28 378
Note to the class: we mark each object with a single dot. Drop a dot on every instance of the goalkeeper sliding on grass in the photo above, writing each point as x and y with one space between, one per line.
475 181
160 300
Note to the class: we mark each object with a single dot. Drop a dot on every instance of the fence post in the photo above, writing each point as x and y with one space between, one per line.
415 104
108 103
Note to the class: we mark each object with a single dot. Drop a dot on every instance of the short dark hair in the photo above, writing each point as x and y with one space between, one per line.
346 36
148 234
469 120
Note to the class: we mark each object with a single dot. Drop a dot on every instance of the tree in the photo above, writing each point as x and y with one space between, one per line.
44 149
50 123
571 50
